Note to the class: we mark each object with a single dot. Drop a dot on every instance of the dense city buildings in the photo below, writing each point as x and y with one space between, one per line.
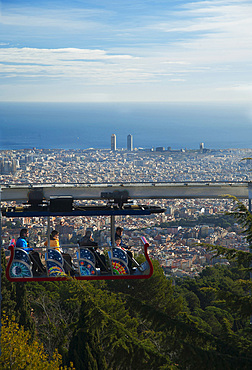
176 244
8 166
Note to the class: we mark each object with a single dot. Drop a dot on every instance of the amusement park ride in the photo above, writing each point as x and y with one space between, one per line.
119 265
62 200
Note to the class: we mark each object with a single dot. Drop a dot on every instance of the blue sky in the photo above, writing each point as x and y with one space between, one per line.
109 51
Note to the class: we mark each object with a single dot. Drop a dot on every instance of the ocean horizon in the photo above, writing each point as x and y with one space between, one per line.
90 125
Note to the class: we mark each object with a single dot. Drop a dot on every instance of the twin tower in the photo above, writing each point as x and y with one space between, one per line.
129 143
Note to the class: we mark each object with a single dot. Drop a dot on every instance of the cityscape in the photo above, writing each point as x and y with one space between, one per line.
177 248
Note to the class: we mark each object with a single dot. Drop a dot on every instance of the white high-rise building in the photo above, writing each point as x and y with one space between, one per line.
113 142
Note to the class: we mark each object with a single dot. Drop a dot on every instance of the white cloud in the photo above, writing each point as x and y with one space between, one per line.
210 31
45 56
92 66
200 50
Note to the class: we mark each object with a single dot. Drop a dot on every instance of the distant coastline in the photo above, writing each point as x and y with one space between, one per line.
90 125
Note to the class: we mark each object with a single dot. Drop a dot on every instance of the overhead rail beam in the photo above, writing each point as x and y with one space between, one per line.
167 190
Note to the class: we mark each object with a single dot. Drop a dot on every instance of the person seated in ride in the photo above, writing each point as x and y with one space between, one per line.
54 241
37 267
119 243
22 240
54 244
89 242
118 234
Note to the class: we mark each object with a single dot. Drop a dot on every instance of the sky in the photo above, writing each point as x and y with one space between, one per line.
126 51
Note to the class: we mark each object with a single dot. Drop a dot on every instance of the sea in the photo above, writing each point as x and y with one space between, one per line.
90 125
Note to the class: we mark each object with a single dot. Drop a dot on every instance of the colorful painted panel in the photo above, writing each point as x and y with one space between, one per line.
119 268
54 269
19 269
54 263
86 268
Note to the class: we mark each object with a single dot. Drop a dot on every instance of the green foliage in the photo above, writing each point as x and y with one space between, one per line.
192 300
225 308
146 324
244 217
23 309
106 327
20 351
56 308
240 257
157 291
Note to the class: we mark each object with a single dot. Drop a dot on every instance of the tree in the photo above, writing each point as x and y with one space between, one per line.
19 351
85 347
156 291
55 310
107 336
15 301
23 309
244 217
240 302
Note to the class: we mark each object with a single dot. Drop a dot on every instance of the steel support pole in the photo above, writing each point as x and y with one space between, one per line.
48 231
112 231
48 237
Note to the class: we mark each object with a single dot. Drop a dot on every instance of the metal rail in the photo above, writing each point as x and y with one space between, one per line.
167 190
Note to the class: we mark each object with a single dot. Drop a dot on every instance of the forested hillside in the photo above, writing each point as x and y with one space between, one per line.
198 323
159 323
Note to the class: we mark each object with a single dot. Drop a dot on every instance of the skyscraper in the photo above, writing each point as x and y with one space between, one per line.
113 142
130 143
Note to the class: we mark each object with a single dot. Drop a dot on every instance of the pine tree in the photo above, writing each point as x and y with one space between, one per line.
23 309
107 336
244 218
85 350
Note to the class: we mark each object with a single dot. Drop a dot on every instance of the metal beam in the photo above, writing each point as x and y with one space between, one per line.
172 190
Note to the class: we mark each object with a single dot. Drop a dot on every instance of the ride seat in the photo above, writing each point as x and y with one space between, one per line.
54 263
86 262
119 261
21 265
